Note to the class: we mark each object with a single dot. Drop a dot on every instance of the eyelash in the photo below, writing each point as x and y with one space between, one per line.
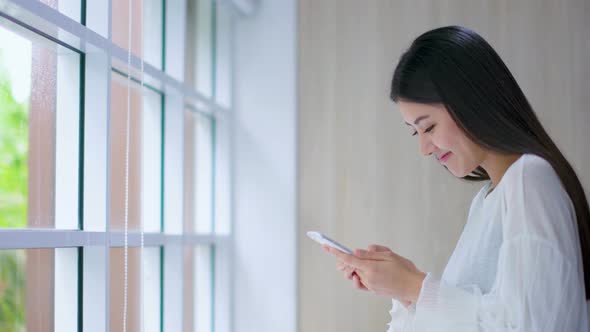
426 131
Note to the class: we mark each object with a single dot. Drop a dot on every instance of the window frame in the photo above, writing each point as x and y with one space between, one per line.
92 39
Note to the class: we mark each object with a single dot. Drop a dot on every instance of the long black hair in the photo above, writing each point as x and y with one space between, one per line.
456 67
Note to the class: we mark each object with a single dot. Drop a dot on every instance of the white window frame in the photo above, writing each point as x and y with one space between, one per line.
95 240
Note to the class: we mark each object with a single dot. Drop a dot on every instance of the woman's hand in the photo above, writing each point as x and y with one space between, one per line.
350 274
382 272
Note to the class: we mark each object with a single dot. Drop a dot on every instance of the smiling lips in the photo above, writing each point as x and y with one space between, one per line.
444 157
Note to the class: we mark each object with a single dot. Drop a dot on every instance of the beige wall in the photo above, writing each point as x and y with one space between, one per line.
362 179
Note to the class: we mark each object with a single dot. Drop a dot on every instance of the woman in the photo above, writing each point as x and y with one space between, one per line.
522 261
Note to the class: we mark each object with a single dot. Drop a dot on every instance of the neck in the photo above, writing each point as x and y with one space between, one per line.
496 165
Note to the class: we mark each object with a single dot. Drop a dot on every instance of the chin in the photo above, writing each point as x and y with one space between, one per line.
458 173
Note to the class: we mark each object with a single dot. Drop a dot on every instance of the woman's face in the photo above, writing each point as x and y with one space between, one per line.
439 135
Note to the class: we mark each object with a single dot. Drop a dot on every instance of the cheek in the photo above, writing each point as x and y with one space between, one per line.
448 138
463 162
466 156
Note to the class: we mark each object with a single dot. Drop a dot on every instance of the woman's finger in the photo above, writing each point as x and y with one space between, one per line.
357 282
346 258
348 275
378 248
373 255
349 272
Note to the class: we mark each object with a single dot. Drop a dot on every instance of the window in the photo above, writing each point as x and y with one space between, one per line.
115 165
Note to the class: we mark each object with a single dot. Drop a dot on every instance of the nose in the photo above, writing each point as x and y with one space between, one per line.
426 146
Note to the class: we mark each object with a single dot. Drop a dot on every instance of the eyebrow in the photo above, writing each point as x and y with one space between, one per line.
420 118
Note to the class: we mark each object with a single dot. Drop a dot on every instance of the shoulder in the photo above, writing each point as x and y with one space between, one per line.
531 172
536 203
534 185
534 165
536 173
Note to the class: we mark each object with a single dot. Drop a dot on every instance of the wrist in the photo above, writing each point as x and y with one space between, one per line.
416 286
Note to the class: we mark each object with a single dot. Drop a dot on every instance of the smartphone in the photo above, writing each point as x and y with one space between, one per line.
322 239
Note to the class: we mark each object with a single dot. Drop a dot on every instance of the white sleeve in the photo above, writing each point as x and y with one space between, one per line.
401 317
539 282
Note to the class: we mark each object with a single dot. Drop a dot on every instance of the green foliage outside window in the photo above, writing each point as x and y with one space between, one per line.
13 202
13 157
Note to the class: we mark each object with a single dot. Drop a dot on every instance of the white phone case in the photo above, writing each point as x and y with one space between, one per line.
322 239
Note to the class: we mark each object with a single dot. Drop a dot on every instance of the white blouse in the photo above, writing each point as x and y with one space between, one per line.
517 265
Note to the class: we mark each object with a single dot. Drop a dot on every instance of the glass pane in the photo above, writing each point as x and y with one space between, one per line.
39 131
144 156
38 290
188 286
188 171
203 289
143 289
70 8
199 173
223 54
200 45
146 14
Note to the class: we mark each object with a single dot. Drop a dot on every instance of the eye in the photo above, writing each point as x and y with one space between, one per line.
429 129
